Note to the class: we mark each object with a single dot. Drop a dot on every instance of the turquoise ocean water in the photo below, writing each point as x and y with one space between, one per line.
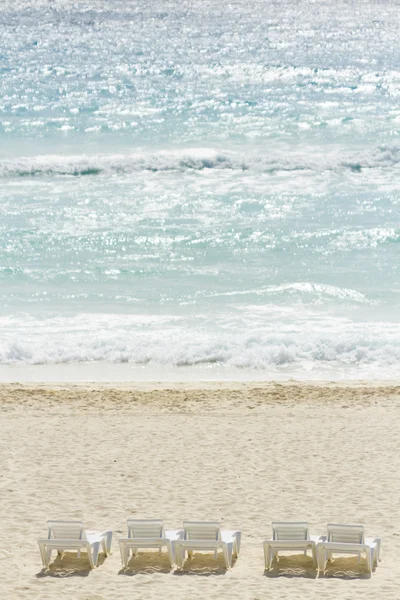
201 184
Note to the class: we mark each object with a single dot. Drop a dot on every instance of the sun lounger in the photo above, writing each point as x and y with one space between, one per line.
71 535
289 536
207 536
348 539
149 533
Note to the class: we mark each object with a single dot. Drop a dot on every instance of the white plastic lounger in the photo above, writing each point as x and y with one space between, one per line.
71 535
289 536
148 533
207 536
348 539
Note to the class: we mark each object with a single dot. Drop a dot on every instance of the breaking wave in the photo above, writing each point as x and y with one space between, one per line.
198 159
119 339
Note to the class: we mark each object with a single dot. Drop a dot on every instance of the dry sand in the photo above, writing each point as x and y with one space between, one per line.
244 454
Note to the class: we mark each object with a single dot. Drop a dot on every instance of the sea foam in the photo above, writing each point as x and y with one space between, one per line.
141 340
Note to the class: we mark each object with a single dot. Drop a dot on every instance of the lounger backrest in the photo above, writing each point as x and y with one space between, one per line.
345 534
290 530
202 530
66 530
145 528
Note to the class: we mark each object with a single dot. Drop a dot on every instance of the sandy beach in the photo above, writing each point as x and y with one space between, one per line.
242 453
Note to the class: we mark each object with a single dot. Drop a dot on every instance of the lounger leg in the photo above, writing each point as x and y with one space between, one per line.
43 554
90 558
93 558
270 557
122 551
321 559
236 543
180 556
368 556
170 553
227 550
109 541
230 552
314 555
378 549
177 553
265 556
318 555
372 557
226 557
48 556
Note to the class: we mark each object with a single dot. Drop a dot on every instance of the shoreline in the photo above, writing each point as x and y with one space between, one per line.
193 385
121 373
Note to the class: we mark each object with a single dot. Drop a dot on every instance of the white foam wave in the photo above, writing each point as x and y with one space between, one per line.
198 159
319 291
191 159
171 342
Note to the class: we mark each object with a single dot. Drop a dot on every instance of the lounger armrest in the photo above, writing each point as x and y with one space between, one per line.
228 535
125 540
108 535
41 541
318 538
94 536
373 541
375 545
232 536
100 536
175 534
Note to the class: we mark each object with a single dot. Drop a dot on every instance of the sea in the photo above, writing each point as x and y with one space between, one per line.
200 189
